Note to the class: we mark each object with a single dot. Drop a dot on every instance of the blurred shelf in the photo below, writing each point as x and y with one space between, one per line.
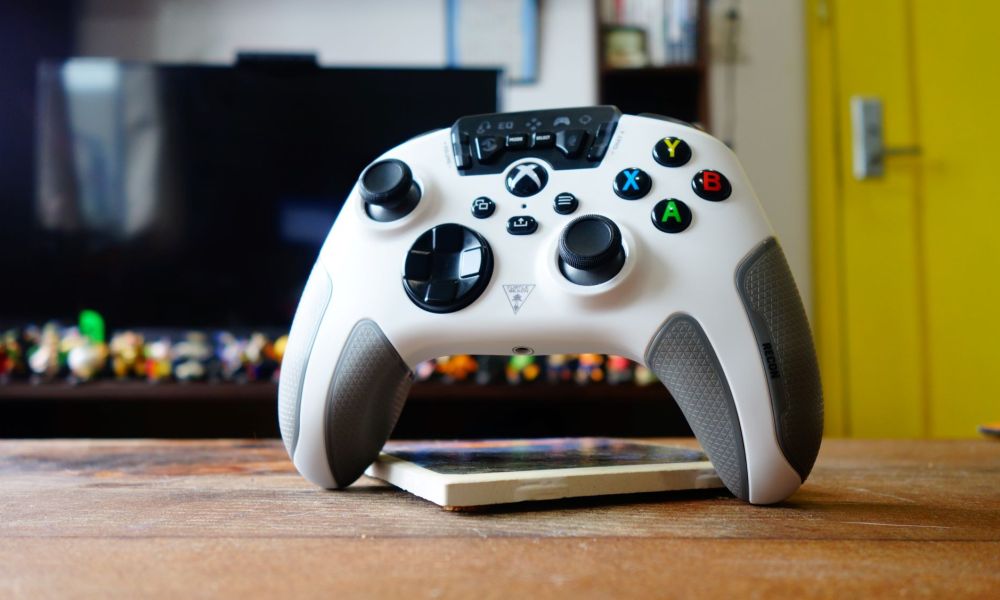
676 90
110 409
138 391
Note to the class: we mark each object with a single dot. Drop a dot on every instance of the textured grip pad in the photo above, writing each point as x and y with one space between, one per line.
785 342
365 398
683 359
315 298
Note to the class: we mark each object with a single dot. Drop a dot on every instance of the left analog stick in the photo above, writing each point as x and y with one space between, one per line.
388 190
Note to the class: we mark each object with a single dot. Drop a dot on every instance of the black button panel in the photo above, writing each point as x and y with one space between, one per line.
526 179
632 183
672 152
571 138
565 203
601 143
671 215
483 207
447 268
711 185
522 225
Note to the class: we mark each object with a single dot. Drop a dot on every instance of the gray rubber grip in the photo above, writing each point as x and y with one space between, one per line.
315 298
786 349
683 359
365 397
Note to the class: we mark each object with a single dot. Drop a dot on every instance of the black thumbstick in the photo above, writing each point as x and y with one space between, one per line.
591 250
388 189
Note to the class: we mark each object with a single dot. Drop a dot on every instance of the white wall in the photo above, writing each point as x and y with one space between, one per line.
768 128
768 131
341 32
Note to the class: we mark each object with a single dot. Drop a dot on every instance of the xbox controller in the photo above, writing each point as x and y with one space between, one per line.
557 231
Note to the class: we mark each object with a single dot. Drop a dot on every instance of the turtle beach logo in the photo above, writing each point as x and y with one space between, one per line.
517 294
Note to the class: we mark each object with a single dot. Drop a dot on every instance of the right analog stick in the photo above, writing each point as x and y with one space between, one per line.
388 189
591 250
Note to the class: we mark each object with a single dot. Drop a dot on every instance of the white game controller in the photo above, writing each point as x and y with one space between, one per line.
557 231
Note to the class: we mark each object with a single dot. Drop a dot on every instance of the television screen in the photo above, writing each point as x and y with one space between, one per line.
198 196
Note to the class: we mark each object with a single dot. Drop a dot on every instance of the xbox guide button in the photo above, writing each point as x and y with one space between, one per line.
526 179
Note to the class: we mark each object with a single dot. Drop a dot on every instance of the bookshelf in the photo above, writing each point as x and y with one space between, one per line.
675 89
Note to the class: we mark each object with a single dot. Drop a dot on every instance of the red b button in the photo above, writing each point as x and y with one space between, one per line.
711 185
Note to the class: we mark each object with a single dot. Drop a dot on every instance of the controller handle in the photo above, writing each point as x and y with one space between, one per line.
365 383
683 358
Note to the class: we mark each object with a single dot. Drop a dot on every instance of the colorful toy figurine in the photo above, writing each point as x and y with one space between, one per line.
456 368
619 369
559 368
44 358
85 347
522 368
278 349
6 366
127 355
425 370
590 369
229 350
258 358
643 376
158 360
190 357
491 369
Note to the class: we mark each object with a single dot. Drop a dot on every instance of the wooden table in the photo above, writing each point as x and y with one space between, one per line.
183 519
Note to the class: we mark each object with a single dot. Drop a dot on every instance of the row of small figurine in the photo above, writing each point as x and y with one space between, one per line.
53 353
520 369
80 353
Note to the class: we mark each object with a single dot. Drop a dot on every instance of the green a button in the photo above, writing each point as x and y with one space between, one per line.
671 215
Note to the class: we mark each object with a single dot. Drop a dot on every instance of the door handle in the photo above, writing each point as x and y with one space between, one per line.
868 149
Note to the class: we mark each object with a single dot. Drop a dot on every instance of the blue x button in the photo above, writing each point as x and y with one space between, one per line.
632 184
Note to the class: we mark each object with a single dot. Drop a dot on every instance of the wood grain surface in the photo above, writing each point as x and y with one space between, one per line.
176 519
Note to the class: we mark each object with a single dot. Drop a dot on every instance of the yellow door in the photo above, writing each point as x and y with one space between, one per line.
907 311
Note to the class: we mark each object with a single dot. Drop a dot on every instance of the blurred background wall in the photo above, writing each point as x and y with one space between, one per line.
757 83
